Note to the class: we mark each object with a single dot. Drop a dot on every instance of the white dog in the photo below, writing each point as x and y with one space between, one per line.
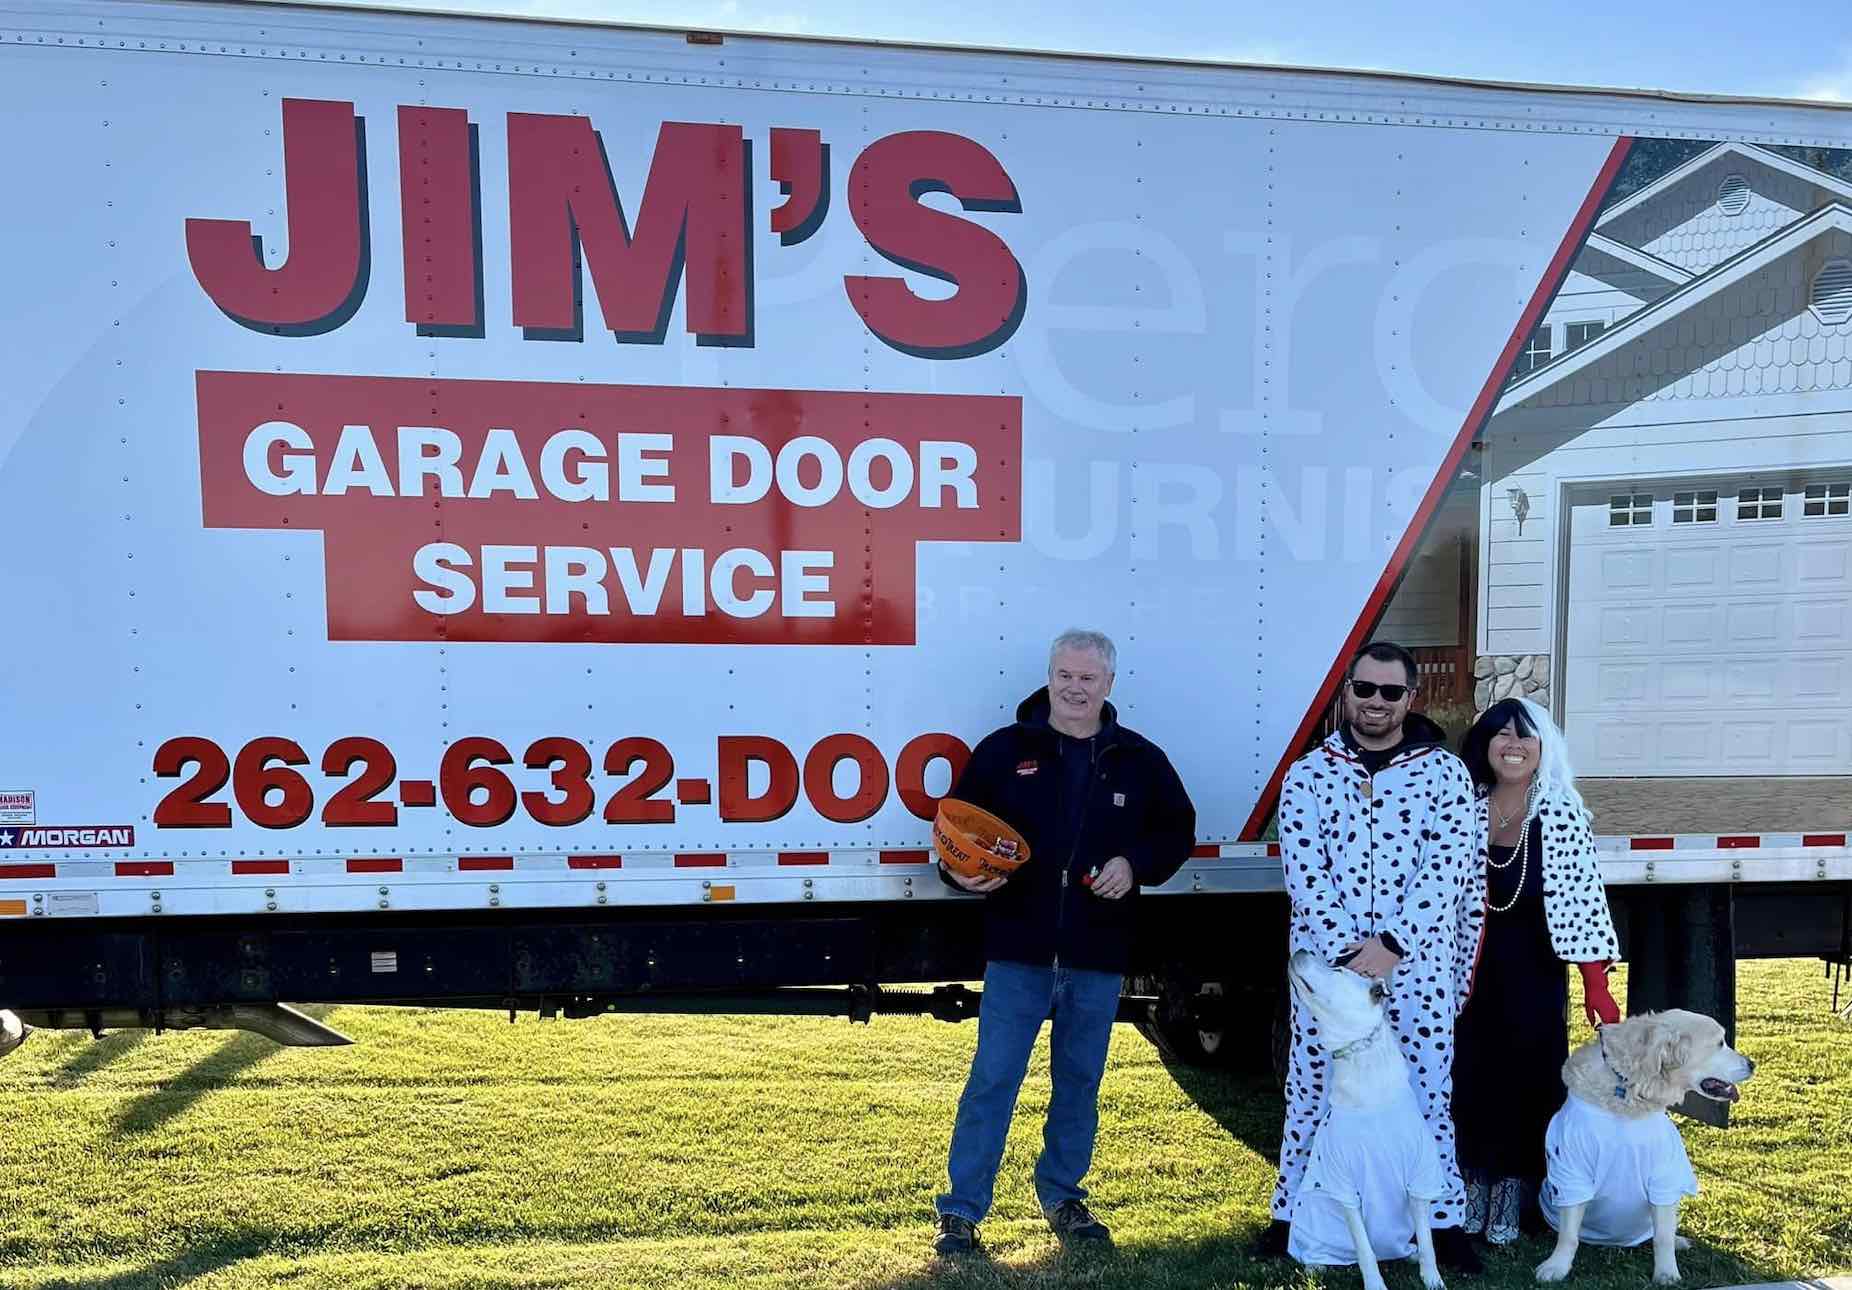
1374 1170
1617 1167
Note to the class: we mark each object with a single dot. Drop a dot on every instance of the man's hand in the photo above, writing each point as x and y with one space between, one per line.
1115 880
977 885
1373 958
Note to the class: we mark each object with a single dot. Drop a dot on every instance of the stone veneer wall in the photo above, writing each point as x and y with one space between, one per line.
1500 676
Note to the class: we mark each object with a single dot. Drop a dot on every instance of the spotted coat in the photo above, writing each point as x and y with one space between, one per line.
1575 903
1391 854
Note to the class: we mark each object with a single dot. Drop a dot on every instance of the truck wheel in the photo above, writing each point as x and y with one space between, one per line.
1179 1033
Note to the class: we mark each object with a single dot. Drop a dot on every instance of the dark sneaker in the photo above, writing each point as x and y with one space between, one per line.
1453 1250
1075 1224
1272 1242
956 1236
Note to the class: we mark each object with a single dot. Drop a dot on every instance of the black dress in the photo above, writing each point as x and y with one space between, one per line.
1511 1041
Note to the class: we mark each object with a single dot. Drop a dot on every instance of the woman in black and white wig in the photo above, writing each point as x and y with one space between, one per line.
1545 906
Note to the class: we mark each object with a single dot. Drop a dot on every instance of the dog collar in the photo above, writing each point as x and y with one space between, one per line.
1358 1045
1620 1080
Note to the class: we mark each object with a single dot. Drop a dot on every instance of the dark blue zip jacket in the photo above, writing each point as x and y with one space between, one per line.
1133 806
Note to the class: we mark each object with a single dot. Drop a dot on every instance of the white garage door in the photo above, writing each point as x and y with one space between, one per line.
1710 630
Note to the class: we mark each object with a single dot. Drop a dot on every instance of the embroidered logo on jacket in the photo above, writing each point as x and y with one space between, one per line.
1027 767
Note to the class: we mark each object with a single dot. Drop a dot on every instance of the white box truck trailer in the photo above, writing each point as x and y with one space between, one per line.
534 515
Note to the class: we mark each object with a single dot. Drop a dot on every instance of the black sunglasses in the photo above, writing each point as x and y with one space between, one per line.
1368 689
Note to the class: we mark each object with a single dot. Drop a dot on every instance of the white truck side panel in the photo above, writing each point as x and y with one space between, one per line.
1256 311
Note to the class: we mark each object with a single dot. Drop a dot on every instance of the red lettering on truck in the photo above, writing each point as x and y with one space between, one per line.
440 221
693 220
694 216
320 285
844 778
885 186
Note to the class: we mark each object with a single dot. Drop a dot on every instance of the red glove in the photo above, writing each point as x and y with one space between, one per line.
1597 1003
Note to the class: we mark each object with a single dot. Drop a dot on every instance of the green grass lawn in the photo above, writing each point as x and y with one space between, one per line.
453 1150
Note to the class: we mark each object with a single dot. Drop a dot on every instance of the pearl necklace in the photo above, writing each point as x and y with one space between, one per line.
1522 856
1530 794
1504 822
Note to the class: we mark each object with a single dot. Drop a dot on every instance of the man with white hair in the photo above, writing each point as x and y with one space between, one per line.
1103 814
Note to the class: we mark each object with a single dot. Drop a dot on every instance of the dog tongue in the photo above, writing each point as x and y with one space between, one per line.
1720 1089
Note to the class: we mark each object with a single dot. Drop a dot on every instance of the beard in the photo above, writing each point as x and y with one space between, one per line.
1368 723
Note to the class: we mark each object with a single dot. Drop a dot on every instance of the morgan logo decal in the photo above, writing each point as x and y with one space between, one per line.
70 835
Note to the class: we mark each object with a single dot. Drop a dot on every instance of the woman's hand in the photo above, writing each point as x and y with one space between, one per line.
1372 958
1597 1002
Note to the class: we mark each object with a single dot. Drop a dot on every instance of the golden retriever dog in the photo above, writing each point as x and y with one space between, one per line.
1617 1166
1375 1169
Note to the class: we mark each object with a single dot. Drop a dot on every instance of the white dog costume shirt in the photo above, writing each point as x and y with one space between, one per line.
1619 1166
1373 1159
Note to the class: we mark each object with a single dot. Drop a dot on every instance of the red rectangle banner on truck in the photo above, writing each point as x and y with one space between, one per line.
526 511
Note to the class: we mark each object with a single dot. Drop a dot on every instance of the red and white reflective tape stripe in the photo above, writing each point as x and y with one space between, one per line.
1644 846
28 871
144 868
376 864
1235 851
1721 842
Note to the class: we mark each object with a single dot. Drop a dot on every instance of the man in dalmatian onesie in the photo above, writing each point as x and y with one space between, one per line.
1376 837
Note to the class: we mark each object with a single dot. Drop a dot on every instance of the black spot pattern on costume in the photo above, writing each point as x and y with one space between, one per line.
1401 859
1575 902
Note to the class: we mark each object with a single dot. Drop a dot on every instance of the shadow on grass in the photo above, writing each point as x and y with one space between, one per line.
1611 1269
86 1059
1247 1105
1217 1261
177 1269
1223 1261
216 1070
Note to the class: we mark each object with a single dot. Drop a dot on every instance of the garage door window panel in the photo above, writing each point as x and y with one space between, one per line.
1630 510
1821 501
1698 507
1758 504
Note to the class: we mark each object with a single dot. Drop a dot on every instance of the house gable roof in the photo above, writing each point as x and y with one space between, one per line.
1639 259
1713 282
1747 152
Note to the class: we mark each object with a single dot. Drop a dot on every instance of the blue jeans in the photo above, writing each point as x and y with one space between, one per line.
1018 998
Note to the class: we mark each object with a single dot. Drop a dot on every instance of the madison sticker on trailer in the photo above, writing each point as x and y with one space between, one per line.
459 439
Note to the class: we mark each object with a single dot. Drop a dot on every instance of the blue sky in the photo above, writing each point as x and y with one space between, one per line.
1784 48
